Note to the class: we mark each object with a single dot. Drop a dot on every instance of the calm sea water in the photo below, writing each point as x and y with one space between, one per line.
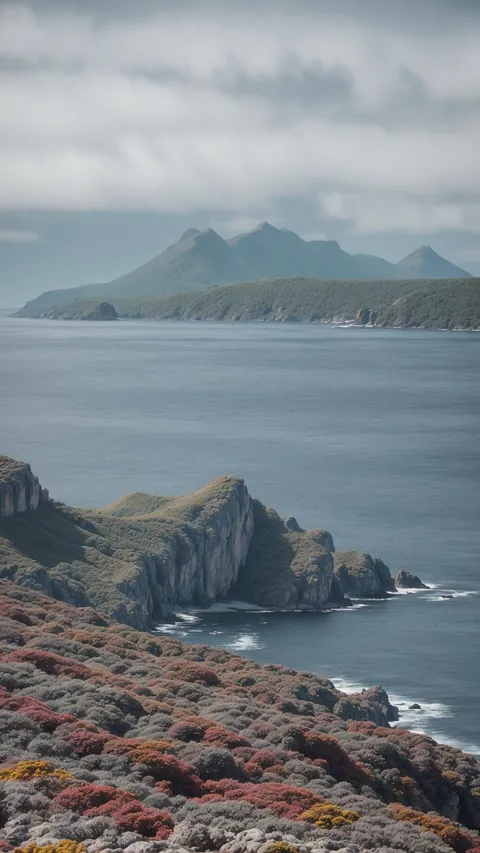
371 434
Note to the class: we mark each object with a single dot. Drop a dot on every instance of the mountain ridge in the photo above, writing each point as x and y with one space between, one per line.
202 258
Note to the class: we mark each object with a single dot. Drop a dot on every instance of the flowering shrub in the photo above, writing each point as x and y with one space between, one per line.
448 832
65 846
25 770
329 816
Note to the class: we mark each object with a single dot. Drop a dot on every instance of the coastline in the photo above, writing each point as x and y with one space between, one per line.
421 720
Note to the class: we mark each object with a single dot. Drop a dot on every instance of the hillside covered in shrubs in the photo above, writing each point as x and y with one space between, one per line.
114 740
427 303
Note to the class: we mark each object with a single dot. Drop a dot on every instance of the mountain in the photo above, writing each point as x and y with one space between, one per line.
202 259
426 263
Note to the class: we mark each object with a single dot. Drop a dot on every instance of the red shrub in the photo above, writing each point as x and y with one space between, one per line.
86 742
218 736
35 710
188 730
15 612
164 767
283 800
194 672
127 812
50 663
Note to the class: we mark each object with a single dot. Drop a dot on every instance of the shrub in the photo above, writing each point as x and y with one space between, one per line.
65 846
282 800
328 816
448 832
280 847
24 771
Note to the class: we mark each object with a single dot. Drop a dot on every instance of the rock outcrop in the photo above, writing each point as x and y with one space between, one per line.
19 488
362 576
287 567
142 556
100 311
407 580
136 559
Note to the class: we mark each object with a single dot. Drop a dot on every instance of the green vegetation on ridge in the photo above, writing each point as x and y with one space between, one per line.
443 303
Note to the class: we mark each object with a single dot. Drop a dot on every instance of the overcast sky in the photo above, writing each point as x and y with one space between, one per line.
123 122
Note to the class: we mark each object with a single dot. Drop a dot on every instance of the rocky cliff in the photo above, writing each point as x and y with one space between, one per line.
139 557
362 576
288 567
19 488
142 556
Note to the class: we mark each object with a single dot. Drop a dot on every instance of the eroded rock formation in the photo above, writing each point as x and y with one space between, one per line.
19 488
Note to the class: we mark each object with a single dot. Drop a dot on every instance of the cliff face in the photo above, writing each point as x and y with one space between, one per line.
287 567
197 562
19 488
137 559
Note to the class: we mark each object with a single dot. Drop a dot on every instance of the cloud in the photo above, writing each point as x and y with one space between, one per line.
383 213
16 235
231 107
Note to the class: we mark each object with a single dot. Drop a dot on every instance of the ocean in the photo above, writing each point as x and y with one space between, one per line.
372 434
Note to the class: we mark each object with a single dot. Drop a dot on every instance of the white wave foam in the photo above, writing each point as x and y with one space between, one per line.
186 616
171 629
406 590
351 609
449 594
245 642
416 719
347 686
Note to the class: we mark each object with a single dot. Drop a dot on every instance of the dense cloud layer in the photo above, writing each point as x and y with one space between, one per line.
352 116
222 107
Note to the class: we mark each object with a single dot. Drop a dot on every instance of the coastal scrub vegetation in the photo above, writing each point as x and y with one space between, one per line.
426 303
116 740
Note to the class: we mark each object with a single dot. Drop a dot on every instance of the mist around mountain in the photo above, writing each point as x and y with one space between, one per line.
202 259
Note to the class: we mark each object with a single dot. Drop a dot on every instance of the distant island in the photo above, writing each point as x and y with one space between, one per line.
143 555
271 274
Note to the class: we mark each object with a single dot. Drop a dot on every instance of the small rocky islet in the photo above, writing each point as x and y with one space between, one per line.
117 740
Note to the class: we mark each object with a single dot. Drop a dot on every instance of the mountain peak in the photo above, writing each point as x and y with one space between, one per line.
425 262
265 227
190 232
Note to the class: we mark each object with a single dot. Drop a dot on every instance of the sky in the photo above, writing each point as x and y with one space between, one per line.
124 122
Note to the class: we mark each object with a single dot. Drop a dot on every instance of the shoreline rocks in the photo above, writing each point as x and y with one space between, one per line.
407 580
362 576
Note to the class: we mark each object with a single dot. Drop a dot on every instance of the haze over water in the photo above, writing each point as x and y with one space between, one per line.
372 434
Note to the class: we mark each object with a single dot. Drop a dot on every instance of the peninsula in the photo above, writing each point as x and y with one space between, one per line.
143 555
